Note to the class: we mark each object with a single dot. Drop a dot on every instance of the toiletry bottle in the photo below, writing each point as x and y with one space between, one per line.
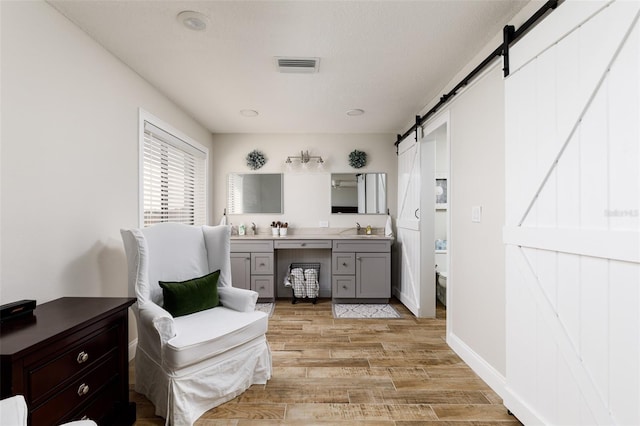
241 229
368 229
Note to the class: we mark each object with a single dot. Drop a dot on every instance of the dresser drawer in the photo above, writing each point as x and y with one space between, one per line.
262 263
100 407
343 263
81 357
302 244
78 393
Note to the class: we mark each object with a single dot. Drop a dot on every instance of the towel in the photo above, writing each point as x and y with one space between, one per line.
388 230
311 282
223 221
297 279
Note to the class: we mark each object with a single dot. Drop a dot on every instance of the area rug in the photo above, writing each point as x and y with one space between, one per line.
267 308
364 310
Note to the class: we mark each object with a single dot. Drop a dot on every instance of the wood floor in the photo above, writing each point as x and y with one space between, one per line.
327 371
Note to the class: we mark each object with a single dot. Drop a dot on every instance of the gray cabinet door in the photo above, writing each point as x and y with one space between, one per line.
373 275
241 270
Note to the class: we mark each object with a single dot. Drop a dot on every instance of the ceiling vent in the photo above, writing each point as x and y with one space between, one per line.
297 65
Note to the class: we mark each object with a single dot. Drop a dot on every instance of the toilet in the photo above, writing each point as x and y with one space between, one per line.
441 288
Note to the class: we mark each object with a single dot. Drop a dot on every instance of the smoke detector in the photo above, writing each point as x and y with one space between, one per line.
297 65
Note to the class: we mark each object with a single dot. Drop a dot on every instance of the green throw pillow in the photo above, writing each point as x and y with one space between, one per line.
188 297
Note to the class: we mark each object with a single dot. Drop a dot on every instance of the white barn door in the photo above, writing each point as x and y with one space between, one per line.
415 223
573 225
408 224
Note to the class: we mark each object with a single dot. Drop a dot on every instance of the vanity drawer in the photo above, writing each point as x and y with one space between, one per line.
366 246
252 246
77 393
303 244
343 263
344 286
79 358
262 263
263 284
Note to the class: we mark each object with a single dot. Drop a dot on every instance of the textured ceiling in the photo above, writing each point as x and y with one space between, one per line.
386 57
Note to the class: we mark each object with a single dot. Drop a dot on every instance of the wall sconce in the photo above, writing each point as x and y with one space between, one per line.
304 158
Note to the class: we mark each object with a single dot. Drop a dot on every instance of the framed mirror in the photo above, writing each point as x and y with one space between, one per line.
254 193
359 193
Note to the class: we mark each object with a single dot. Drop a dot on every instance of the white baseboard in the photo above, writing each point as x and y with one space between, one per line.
496 381
132 349
482 368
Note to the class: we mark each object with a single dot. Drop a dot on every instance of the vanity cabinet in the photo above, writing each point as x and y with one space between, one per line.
361 269
252 266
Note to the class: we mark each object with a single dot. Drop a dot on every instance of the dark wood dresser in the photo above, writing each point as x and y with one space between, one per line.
70 361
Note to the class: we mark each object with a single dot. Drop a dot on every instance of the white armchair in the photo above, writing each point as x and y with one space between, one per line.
14 412
189 364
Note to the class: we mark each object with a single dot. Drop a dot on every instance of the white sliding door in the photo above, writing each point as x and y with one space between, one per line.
572 209
416 200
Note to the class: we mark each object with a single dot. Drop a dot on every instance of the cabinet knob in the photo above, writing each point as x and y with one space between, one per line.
303 244
344 287
344 263
82 357
247 258
358 258
83 389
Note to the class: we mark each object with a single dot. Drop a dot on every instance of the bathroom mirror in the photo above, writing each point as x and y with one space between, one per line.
359 193
254 193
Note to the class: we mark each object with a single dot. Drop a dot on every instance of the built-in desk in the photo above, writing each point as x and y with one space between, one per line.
354 268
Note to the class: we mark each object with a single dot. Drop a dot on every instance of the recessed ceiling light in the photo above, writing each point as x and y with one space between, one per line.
249 112
354 112
195 21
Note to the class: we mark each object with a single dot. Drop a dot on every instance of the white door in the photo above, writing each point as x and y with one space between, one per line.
408 224
572 233
416 200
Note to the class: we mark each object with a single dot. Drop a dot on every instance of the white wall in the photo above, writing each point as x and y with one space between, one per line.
69 157
476 284
307 193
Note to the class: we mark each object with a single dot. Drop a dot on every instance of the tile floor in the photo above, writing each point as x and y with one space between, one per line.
395 372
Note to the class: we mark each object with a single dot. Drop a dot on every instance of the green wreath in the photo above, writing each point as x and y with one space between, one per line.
357 159
255 159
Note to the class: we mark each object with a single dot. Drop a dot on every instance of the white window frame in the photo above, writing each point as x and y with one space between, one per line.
190 144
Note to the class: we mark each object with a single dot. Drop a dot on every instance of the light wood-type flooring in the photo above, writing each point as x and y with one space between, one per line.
326 371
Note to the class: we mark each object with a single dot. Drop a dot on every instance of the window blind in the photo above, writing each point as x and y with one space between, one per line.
174 179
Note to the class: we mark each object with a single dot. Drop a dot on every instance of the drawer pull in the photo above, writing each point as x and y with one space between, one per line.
303 244
83 390
82 357
262 264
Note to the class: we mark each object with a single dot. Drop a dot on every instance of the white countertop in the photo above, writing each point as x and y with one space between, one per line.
292 235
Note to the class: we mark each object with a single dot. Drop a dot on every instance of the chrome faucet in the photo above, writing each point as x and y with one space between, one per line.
358 227
254 229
